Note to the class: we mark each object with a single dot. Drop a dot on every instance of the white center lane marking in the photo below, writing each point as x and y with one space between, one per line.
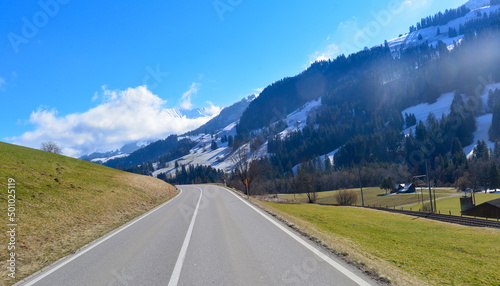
51 269
176 274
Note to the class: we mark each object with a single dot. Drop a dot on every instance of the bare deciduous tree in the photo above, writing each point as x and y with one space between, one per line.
245 165
305 183
50 147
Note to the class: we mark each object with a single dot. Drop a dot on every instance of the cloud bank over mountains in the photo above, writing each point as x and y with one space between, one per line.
124 116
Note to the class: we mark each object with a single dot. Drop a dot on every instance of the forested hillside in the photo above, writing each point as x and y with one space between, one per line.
362 99
356 116
162 150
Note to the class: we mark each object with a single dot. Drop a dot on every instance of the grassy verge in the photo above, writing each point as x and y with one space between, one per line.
405 250
63 204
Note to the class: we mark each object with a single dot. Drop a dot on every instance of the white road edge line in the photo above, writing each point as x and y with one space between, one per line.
176 274
358 280
90 246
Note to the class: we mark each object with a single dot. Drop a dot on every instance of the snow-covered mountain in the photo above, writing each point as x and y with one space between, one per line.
227 116
103 157
124 151
475 4
221 158
443 106
177 112
225 124
478 9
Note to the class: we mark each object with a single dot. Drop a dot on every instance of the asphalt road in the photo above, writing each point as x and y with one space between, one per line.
207 235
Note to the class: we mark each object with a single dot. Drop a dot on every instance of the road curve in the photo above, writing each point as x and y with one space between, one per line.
207 235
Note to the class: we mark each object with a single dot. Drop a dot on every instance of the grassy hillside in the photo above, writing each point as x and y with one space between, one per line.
64 203
406 250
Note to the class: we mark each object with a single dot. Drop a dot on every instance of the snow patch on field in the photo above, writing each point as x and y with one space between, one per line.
483 126
474 4
200 154
443 106
105 160
297 120
422 111
487 89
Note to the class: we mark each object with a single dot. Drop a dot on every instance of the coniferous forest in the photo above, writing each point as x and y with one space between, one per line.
362 99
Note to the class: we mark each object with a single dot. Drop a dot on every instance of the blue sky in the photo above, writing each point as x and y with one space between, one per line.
93 75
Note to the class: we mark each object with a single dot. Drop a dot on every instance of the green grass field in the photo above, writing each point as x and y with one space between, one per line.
452 205
404 249
372 197
63 203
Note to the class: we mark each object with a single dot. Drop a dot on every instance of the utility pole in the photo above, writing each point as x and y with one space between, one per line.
420 197
246 184
361 187
429 184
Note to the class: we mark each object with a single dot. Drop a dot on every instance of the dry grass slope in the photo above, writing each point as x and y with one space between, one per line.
64 203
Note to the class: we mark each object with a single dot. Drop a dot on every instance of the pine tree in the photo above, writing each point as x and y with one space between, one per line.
438 31
495 123
452 32
496 151
420 131
481 150
328 164
387 184
214 146
494 176
410 119
457 153
493 98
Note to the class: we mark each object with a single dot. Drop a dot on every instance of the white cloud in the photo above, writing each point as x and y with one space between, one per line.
124 116
258 91
186 97
415 4
212 110
329 52
349 26
2 82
